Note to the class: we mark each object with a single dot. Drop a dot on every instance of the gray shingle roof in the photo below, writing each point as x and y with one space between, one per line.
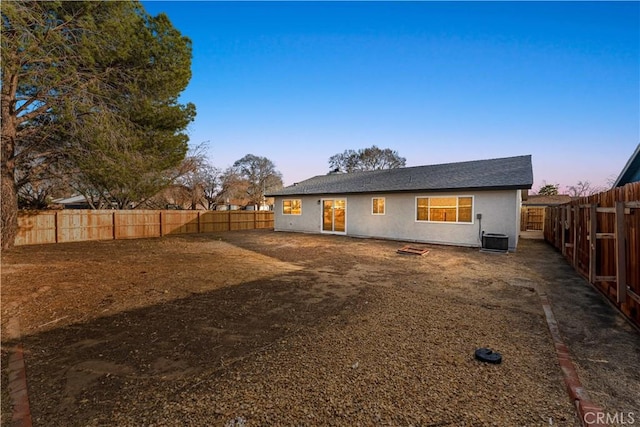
541 200
503 173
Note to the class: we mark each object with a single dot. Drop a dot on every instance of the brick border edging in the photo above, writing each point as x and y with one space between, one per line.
577 393
17 374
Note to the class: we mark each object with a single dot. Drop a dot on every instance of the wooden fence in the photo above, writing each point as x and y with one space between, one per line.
531 218
38 227
599 236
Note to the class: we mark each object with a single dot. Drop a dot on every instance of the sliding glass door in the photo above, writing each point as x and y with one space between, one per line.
334 215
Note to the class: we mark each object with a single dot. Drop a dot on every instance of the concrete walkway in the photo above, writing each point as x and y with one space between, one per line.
604 346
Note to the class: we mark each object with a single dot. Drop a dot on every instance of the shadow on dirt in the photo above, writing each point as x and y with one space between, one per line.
81 370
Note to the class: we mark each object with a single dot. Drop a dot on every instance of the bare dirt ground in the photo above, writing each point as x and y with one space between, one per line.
264 328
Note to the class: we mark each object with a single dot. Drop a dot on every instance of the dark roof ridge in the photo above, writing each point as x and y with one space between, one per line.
424 166
466 162
498 173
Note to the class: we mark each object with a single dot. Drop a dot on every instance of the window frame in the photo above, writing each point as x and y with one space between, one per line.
384 206
457 197
291 212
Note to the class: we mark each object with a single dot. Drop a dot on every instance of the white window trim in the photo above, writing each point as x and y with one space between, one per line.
384 201
283 213
473 208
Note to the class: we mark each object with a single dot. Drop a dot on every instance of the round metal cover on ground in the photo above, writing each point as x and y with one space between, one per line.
488 355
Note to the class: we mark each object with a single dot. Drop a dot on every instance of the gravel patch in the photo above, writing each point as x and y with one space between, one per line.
330 331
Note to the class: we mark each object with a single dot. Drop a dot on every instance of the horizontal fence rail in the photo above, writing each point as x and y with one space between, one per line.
599 236
39 227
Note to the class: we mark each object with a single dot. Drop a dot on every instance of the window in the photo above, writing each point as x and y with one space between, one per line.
377 206
444 209
292 207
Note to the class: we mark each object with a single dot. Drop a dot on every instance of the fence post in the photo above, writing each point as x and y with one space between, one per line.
229 223
114 225
160 224
593 230
563 221
555 226
199 222
57 227
575 217
621 255
255 219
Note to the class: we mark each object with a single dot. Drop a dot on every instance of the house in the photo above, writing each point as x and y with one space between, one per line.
73 202
631 171
450 203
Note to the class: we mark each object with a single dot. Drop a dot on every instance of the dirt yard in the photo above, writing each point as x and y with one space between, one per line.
264 328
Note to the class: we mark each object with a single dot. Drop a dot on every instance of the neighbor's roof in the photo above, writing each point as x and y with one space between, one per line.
71 200
631 171
504 173
545 200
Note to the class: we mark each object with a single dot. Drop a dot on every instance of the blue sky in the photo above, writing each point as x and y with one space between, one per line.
439 82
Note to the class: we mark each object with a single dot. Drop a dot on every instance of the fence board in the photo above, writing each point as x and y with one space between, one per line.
136 224
211 222
82 225
180 222
242 220
36 228
40 227
601 236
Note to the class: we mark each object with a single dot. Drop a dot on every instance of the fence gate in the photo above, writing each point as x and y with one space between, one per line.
532 218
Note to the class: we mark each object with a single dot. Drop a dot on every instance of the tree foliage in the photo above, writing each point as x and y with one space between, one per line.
372 158
233 187
260 174
200 179
549 190
91 88
210 179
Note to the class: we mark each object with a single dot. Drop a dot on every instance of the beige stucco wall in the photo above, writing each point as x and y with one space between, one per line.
499 209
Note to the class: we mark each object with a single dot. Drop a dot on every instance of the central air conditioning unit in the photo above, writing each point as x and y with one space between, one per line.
495 242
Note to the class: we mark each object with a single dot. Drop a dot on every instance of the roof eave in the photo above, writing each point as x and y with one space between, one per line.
624 175
418 190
